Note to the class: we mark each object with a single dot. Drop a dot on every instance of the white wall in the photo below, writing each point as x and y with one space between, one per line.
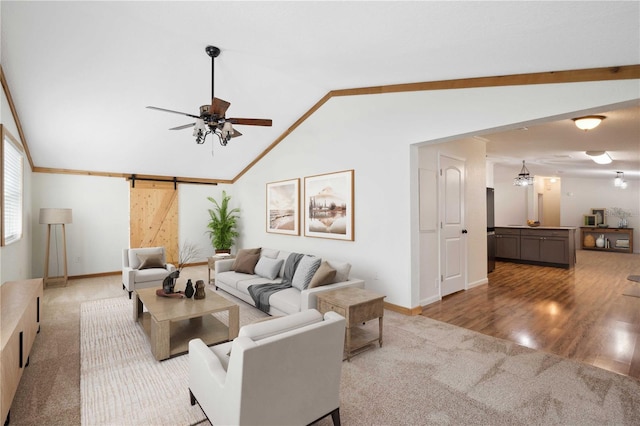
374 136
100 228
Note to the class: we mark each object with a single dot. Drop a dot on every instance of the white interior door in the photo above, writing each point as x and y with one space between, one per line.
453 247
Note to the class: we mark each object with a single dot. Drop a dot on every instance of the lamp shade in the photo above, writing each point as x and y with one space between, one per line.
55 216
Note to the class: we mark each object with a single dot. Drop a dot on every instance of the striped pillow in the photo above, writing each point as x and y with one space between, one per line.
307 266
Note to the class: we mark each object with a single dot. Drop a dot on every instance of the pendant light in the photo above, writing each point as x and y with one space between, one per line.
523 178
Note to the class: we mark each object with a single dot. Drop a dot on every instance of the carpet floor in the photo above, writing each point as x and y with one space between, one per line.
427 372
121 383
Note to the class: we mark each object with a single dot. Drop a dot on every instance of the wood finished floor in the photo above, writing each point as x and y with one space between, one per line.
580 314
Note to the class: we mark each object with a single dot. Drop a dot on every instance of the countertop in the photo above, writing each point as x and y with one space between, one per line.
537 227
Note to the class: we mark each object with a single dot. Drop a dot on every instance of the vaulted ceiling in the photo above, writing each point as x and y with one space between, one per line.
82 73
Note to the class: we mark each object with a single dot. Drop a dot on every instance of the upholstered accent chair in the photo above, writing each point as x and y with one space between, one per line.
144 267
284 371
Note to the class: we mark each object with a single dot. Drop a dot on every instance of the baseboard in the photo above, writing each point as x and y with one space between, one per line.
477 283
402 310
107 274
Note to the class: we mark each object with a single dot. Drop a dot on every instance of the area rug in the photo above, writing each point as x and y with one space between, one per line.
121 383
427 372
430 373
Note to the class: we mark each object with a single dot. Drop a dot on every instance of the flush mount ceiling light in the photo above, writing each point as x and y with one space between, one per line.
588 122
600 157
523 178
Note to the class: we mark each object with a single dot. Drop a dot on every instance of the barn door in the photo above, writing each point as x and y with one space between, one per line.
154 217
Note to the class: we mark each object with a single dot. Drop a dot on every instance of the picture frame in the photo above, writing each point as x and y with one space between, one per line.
283 207
601 215
589 220
329 206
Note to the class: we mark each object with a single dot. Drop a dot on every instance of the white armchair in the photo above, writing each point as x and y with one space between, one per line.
144 267
284 371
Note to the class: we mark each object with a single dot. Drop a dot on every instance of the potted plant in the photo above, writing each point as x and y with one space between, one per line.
222 224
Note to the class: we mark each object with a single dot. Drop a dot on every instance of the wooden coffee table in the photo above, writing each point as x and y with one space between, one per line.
171 323
358 306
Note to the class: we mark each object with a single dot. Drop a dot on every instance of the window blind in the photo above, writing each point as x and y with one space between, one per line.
13 187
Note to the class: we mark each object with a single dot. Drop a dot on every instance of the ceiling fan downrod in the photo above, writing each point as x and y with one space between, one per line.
213 52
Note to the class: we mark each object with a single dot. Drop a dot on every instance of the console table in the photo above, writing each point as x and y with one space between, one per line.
612 235
357 306
19 323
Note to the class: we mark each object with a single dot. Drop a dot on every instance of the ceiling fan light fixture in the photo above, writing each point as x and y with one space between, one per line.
600 157
588 122
523 178
619 181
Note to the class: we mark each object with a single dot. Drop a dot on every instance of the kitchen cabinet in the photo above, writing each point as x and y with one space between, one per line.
507 243
550 246
544 245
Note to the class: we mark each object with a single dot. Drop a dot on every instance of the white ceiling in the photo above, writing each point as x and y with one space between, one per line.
81 73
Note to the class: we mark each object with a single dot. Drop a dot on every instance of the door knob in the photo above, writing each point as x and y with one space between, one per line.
464 231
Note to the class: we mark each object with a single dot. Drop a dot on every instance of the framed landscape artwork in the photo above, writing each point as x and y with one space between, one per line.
328 203
601 216
283 207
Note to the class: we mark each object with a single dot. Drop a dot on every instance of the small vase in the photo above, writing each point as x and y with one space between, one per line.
600 241
188 291
200 294
622 223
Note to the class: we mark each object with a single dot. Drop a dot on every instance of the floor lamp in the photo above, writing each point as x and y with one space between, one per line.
55 217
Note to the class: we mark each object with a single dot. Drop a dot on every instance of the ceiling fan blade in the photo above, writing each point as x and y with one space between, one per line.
219 107
174 112
236 133
251 121
184 126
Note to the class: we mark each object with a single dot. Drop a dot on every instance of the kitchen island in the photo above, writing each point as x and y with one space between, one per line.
541 245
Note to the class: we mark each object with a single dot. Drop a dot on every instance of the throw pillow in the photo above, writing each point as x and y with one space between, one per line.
323 276
268 267
304 272
241 254
247 263
148 261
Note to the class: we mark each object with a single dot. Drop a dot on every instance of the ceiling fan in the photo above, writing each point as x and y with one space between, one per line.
212 117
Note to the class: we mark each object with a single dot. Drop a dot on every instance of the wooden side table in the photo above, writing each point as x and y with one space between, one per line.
357 306
211 265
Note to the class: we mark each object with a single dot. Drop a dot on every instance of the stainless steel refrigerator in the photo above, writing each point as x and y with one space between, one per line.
491 231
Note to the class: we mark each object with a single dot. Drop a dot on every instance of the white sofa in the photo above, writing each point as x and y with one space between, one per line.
284 371
284 302
144 267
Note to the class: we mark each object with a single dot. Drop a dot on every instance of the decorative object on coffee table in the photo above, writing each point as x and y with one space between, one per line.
189 290
169 282
200 293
